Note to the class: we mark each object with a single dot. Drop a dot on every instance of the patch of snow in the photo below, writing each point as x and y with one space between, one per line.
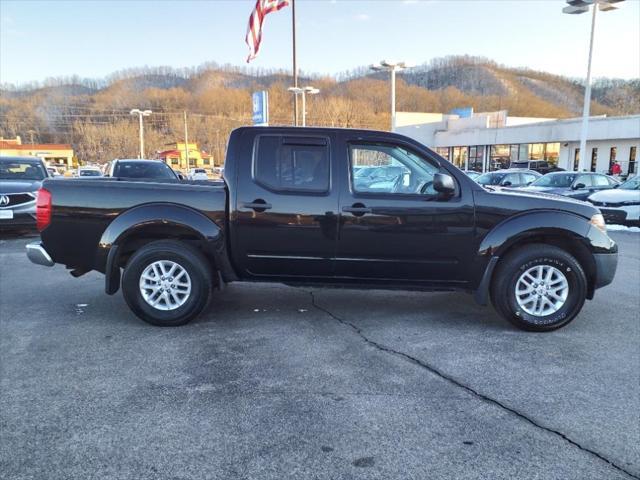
622 228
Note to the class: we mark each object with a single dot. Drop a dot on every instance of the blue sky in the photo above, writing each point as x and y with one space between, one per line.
40 39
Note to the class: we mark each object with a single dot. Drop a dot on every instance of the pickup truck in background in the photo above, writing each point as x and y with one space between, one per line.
289 210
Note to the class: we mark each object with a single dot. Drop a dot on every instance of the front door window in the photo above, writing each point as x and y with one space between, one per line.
390 169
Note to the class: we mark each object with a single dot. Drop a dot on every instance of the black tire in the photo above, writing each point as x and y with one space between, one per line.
510 269
190 259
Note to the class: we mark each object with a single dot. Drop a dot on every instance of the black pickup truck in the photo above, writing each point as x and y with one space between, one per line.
292 208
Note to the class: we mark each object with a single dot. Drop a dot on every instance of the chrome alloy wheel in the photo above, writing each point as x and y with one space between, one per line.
542 290
165 285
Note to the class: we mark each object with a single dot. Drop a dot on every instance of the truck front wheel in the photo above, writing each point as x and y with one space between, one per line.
539 288
167 283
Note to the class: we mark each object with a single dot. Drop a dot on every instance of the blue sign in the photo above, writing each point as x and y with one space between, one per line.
465 112
260 108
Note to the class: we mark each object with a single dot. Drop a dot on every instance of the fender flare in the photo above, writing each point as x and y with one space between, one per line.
516 229
138 218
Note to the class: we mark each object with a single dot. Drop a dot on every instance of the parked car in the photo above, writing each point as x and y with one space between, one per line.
140 170
20 179
89 172
198 174
472 174
508 178
290 211
621 204
53 172
541 166
578 185
379 178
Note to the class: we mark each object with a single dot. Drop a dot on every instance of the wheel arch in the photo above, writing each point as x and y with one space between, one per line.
561 229
143 224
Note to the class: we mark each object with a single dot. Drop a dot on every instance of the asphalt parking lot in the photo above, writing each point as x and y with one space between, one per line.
277 382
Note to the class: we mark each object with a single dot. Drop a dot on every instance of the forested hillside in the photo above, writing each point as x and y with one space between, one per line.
94 115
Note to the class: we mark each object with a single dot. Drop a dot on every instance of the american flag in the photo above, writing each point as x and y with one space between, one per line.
254 30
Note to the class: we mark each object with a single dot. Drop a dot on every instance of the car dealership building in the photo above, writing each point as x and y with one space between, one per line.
491 140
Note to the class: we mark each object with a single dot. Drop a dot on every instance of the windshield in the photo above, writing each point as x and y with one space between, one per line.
631 184
89 173
148 170
563 180
490 178
11 169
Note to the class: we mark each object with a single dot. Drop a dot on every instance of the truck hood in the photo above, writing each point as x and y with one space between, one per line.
552 190
528 199
19 186
616 196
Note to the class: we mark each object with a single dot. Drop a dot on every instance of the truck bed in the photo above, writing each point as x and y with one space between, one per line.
83 209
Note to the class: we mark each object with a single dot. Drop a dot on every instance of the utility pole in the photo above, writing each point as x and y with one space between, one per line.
141 113
577 7
295 62
304 91
186 140
393 67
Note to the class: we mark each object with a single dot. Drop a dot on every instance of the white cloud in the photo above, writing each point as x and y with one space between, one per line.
362 17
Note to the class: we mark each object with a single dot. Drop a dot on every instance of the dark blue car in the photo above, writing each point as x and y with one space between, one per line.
578 185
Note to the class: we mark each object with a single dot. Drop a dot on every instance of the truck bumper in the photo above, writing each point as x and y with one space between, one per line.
38 255
606 265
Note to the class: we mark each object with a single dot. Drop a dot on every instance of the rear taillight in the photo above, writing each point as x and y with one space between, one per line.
43 209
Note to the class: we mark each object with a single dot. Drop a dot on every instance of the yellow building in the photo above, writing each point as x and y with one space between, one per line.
176 157
54 154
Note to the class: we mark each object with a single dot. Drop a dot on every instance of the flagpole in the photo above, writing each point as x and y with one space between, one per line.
295 64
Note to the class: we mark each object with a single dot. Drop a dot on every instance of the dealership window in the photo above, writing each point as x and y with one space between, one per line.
292 163
500 157
476 157
513 153
576 159
612 157
536 151
443 152
523 152
175 161
206 161
460 157
632 160
552 153
594 159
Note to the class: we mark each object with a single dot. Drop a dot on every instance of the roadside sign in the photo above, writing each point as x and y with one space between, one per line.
260 108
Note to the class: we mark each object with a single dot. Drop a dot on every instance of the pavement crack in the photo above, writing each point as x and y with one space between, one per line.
471 390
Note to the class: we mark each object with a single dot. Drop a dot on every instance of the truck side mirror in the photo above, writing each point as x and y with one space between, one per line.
443 183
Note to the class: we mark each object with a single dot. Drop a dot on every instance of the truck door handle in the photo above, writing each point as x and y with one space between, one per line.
258 205
357 209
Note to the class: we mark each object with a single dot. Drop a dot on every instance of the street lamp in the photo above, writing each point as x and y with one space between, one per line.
304 91
576 7
393 67
141 113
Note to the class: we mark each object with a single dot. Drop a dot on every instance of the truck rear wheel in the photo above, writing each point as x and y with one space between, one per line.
167 283
539 288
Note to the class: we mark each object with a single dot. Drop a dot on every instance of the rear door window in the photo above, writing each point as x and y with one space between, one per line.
296 164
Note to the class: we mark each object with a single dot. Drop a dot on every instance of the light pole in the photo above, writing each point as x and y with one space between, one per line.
576 7
393 67
141 113
304 91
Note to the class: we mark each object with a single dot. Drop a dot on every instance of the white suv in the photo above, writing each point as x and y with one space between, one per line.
620 204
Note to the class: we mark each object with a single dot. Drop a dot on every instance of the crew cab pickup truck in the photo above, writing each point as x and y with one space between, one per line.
289 210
